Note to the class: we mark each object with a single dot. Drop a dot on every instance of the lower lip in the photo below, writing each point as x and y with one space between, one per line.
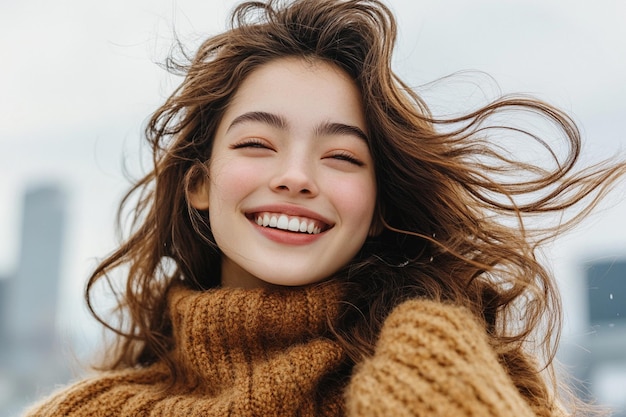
286 237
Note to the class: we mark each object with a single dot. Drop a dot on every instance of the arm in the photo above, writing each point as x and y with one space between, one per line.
433 359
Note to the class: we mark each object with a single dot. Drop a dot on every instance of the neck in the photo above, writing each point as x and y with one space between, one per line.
233 276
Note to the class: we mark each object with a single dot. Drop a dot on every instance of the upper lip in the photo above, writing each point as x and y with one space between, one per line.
290 210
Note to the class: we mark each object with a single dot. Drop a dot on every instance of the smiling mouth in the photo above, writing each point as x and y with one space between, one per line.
294 224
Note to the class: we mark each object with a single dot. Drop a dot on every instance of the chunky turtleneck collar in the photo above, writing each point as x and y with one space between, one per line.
258 348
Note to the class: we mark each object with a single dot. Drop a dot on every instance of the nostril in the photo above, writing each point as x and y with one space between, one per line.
301 188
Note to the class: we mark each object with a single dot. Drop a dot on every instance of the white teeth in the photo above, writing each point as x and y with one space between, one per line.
283 222
294 225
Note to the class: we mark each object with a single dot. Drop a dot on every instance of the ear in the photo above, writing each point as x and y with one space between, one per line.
196 184
198 195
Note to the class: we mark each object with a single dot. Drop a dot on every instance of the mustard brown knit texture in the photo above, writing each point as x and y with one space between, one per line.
433 360
268 353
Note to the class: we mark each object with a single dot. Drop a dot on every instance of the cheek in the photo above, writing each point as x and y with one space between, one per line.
355 198
230 181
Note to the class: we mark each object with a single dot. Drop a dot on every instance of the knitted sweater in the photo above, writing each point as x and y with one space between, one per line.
268 353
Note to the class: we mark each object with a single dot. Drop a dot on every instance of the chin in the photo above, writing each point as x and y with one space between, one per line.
291 281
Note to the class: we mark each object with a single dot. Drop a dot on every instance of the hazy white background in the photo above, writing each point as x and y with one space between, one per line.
78 80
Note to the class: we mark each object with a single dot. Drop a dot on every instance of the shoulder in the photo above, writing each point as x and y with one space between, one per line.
425 321
102 395
433 359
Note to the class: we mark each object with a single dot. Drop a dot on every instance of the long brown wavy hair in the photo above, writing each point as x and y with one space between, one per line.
456 208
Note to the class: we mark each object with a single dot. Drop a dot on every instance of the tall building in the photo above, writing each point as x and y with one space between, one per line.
32 302
30 356
606 283
604 366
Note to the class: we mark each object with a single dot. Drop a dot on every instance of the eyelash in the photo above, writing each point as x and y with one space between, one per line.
345 156
251 143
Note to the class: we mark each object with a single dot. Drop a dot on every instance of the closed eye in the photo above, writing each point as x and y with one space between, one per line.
345 156
250 143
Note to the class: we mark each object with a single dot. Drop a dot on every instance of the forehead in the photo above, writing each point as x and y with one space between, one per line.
299 89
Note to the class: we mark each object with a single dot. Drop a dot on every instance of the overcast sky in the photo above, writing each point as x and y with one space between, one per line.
78 80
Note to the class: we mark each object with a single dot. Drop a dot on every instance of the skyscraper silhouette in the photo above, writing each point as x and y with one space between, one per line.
606 344
30 358
33 291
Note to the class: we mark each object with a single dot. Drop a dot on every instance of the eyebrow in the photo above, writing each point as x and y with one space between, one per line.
330 128
279 122
273 120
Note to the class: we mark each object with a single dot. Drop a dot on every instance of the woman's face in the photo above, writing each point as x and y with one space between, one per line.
292 189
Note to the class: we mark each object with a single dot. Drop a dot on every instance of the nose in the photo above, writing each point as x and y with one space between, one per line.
295 177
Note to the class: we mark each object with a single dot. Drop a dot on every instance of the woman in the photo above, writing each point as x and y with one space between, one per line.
311 241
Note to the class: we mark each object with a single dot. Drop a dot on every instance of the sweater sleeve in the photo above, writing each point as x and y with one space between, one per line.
433 359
